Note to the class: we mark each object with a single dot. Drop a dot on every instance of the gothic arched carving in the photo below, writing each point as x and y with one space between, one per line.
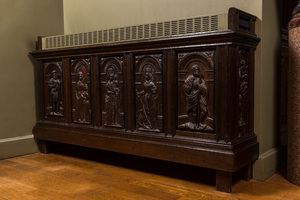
148 92
53 89
112 84
80 74
196 91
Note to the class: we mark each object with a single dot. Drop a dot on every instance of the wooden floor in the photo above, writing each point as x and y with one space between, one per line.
79 173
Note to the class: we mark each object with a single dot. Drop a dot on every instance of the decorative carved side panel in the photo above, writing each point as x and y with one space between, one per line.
81 97
196 91
112 90
53 89
148 93
243 93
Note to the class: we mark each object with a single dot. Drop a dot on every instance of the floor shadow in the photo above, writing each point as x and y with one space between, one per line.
159 167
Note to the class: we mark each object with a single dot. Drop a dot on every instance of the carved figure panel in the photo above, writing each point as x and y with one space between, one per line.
112 84
53 87
243 93
81 104
148 90
195 91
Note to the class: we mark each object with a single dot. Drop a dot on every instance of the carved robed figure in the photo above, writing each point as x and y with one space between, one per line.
81 96
112 98
54 91
82 99
196 91
147 116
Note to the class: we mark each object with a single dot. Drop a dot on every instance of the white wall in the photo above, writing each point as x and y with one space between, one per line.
90 15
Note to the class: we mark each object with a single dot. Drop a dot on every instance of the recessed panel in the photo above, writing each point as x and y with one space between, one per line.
112 91
81 91
53 90
148 93
196 91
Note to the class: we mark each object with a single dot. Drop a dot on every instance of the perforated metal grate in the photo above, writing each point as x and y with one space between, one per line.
139 32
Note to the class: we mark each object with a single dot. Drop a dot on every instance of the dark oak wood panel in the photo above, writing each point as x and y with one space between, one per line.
81 91
149 93
186 99
53 91
95 88
112 90
196 91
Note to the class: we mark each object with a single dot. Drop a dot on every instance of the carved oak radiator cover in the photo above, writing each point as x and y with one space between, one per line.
185 98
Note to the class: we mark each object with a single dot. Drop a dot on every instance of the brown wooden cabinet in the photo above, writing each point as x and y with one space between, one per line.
186 98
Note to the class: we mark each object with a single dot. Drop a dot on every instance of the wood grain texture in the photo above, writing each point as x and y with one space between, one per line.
81 173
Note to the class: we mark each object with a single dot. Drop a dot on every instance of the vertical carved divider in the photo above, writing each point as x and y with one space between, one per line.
222 94
232 92
129 92
40 85
217 93
67 91
170 91
126 84
165 92
95 91
251 89
244 87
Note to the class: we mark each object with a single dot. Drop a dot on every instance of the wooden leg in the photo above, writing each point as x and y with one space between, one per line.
247 172
43 146
223 181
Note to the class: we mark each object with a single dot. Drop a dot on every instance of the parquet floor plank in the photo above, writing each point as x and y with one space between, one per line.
81 174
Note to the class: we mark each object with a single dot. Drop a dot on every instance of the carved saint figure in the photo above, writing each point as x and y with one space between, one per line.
54 91
82 114
112 97
147 116
196 97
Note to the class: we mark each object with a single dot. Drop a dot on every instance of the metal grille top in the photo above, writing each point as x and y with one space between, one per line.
139 32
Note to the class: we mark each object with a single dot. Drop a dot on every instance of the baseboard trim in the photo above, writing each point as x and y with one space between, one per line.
17 146
269 163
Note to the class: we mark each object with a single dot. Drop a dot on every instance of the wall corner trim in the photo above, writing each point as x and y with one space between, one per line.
17 146
269 163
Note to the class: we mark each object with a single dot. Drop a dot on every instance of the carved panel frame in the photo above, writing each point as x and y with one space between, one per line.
112 90
196 88
53 87
81 91
149 93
